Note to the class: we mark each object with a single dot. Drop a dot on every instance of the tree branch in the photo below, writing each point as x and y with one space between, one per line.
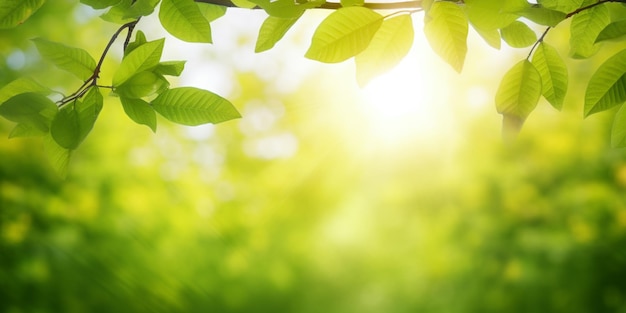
411 4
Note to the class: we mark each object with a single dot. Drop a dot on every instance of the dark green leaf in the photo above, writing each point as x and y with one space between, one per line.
614 30
192 106
15 12
142 84
74 60
140 111
31 109
21 85
24 130
65 127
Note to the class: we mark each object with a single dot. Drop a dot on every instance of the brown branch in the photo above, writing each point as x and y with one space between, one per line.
411 4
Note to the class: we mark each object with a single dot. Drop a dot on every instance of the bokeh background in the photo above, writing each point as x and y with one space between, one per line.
325 197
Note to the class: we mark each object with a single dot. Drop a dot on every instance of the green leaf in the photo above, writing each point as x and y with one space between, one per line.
192 106
426 4
518 93
141 8
607 87
494 14
343 34
31 109
518 35
585 28
58 156
140 111
553 73
388 47
15 12
142 84
21 85
244 4
272 30
74 60
543 16
351 3
565 6
100 4
446 29
211 12
140 39
183 19
618 132
65 127
614 30
286 8
118 13
143 58
24 130
491 37
88 111
171 68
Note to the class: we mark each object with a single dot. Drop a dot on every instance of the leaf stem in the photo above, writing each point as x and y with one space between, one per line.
93 79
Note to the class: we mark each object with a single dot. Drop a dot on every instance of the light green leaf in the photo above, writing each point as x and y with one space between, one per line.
24 130
141 8
426 4
183 19
543 16
614 30
272 30
518 35
211 12
21 85
140 39
58 156
518 93
192 106
143 58
343 34
565 6
244 4
100 4
142 84
446 29
494 14
171 68
286 8
607 87
140 111
618 132
74 60
351 3
388 47
31 109
15 12
553 73
585 28
117 14
491 37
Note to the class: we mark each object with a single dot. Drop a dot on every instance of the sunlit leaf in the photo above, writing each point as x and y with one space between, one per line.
74 60
140 39
58 156
553 73
142 84
211 12
141 8
446 29
193 106
272 30
618 131
492 37
494 14
585 28
565 6
140 111
31 109
171 68
350 3
614 30
518 35
518 93
142 58
118 13
343 34
543 16
15 12
607 87
183 19
244 4
388 47
21 85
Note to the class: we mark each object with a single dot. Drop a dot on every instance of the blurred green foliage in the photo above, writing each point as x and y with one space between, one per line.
327 219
